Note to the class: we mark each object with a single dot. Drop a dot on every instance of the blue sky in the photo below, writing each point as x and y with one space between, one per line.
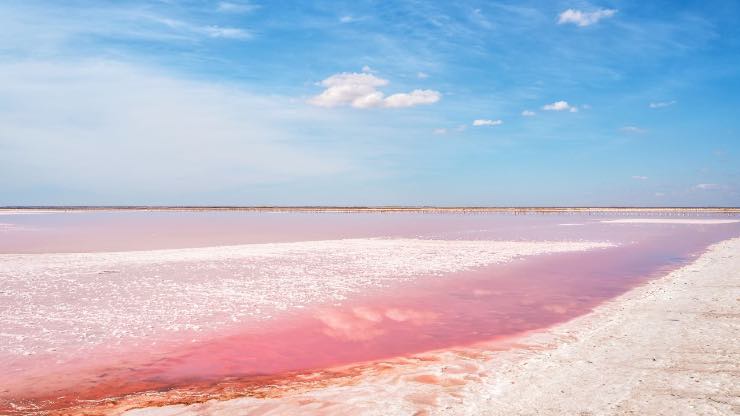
370 102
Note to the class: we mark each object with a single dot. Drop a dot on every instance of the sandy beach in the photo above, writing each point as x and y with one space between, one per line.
663 348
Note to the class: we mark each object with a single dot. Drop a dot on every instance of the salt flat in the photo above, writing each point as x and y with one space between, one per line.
68 303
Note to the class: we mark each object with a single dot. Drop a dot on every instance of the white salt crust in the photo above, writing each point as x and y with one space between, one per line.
669 221
55 303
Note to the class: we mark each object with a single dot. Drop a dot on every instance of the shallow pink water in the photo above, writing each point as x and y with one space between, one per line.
492 302
141 230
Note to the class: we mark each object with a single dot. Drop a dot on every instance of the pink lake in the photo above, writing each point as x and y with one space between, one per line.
198 318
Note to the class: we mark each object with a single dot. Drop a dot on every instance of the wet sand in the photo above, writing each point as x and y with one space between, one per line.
667 347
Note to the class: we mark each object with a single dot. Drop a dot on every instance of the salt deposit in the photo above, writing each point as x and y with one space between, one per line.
670 221
57 303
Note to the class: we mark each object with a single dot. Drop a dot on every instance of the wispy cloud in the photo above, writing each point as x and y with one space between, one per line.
708 186
422 75
226 32
118 29
360 90
139 110
581 18
480 19
661 104
187 28
486 122
440 131
560 106
528 113
233 7
632 129
348 18
639 177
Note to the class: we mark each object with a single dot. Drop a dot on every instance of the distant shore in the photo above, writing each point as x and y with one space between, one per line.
376 209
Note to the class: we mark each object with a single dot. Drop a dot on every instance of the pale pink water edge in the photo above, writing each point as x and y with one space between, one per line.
404 318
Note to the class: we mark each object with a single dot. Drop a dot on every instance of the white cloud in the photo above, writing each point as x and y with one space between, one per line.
229 7
639 177
560 106
483 122
439 131
411 99
581 18
528 113
366 68
661 104
659 194
422 75
708 186
360 90
633 129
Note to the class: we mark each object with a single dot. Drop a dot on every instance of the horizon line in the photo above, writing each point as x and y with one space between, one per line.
480 208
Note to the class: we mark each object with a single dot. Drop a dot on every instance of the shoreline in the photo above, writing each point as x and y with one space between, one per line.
9 210
662 348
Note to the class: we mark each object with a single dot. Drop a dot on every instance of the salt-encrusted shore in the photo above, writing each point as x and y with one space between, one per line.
64 317
668 347
57 303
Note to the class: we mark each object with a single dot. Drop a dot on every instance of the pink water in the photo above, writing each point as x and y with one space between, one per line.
492 302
